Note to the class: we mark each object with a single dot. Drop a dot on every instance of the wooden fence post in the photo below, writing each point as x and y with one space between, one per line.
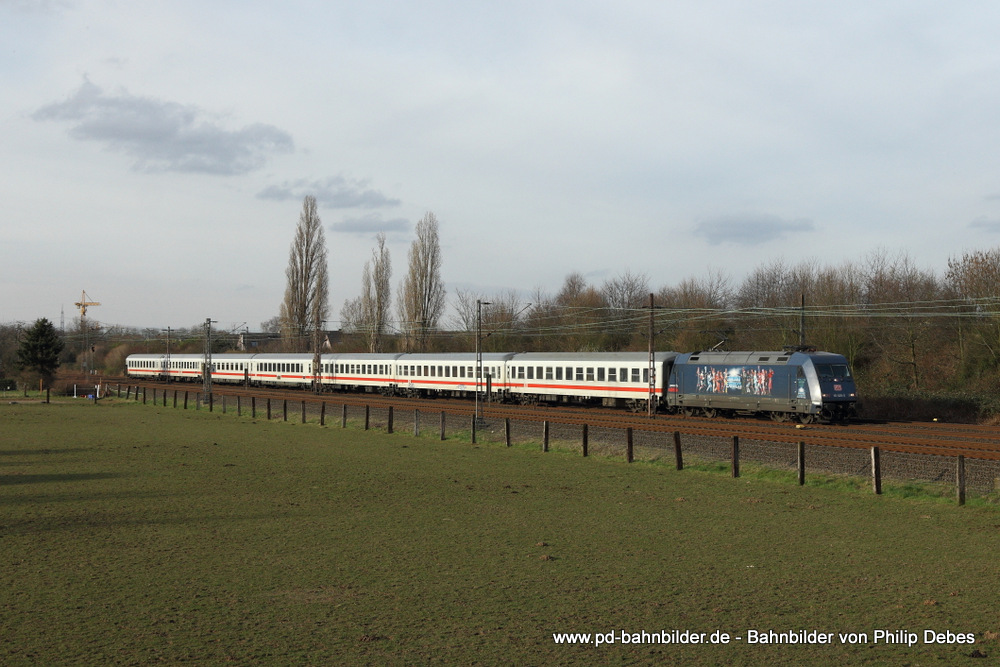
802 463
442 424
473 429
585 439
175 399
876 471
223 404
284 409
390 419
253 407
303 412
506 431
269 409
368 416
322 413
416 422
736 456
185 399
960 479
545 436
239 406
343 416
628 445
678 456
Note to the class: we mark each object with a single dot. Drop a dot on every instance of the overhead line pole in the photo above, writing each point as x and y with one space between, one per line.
207 373
479 351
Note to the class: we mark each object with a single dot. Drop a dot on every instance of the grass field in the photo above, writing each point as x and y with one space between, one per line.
135 534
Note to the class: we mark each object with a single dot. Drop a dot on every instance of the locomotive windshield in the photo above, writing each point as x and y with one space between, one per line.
830 372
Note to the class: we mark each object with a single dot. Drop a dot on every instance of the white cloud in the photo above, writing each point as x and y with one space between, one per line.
749 230
335 192
370 224
165 136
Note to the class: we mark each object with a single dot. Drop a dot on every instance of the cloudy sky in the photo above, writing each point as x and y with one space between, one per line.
156 154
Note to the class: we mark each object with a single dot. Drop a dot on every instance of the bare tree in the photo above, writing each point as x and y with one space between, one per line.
373 308
906 298
975 279
695 311
420 301
580 308
501 320
306 304
624 295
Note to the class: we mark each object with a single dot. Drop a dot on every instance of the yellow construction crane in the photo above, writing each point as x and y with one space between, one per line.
83 304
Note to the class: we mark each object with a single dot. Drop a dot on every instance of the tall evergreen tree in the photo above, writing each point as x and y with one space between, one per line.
38 355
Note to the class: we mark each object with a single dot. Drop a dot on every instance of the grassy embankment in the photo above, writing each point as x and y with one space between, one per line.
134 534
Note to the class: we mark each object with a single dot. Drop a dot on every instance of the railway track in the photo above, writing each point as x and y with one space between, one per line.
940 439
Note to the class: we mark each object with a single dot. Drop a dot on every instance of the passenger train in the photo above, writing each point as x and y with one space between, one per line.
800 383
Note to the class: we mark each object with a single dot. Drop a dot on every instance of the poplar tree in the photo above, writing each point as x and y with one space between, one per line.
421 294
306 303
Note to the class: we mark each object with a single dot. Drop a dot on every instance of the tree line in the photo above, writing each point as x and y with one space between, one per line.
902 327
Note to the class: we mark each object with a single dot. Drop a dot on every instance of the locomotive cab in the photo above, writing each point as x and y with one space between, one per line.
836 385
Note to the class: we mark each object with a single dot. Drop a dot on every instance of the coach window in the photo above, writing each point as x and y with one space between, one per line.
559 372
590 374
579 374
548 372
635 375
645 375
600 374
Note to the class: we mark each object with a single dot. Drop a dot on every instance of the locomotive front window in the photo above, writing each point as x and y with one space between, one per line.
833 371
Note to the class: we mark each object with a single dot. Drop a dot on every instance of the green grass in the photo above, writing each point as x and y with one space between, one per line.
135 534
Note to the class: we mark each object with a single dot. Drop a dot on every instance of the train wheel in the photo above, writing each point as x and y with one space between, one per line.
711 413
806 418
